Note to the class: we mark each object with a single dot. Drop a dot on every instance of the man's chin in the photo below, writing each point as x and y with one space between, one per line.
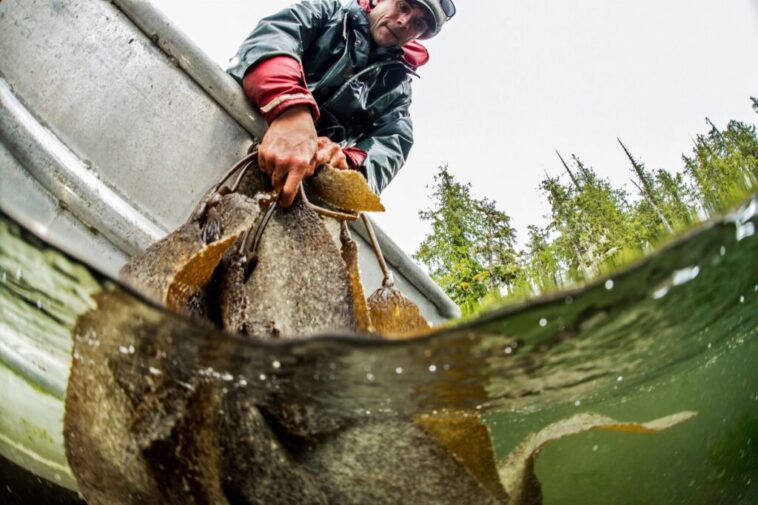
385 38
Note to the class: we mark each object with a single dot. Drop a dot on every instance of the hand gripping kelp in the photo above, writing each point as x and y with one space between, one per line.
292 281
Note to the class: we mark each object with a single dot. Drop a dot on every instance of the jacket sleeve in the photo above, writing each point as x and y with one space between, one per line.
289 32
276 84
388 144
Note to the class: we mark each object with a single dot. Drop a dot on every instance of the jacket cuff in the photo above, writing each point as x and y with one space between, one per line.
276 84
355 156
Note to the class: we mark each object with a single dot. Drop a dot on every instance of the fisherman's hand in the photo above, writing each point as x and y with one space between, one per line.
288 151
330 153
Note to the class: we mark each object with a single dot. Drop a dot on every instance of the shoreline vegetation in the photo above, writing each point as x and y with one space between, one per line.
594 228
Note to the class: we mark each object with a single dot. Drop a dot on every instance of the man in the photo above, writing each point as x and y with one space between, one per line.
334 83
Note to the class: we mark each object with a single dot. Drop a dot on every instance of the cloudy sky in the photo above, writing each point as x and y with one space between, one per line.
510 81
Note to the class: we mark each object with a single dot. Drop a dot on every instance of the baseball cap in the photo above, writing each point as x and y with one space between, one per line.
441 10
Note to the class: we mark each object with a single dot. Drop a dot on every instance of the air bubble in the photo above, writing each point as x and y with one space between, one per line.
432 368
126 350
543 322
399 370
370 377
660 293
609 284
276 364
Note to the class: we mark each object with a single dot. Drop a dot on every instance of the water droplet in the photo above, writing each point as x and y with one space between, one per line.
595 448
399 370
609 284
428 353
4 277
742 299
543 322
262 377
446 367
722 251
508 350
577 403
126 350
432 368
745 230
18 274
370 377
227 377
710 345
276 364
39 304
155 371
685 275
332 366
619 378
660 293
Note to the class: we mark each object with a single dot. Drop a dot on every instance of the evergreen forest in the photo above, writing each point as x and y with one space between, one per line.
593 227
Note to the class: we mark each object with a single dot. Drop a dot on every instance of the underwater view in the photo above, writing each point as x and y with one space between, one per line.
639 388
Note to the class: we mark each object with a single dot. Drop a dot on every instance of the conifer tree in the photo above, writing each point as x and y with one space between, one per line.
471 248
723 165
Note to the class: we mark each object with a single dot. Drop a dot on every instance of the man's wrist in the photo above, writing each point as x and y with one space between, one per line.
295 107
295 110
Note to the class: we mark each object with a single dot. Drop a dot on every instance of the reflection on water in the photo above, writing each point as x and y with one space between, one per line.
676 332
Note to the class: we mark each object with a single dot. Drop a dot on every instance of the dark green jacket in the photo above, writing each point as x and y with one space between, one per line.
363 91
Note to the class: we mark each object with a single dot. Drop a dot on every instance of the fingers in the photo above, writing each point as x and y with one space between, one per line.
331 154
290 189
322 156
340 161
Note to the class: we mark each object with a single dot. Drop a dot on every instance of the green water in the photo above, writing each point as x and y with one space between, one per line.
675 332
712 458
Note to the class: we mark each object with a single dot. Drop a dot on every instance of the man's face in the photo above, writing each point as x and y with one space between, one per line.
395 22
